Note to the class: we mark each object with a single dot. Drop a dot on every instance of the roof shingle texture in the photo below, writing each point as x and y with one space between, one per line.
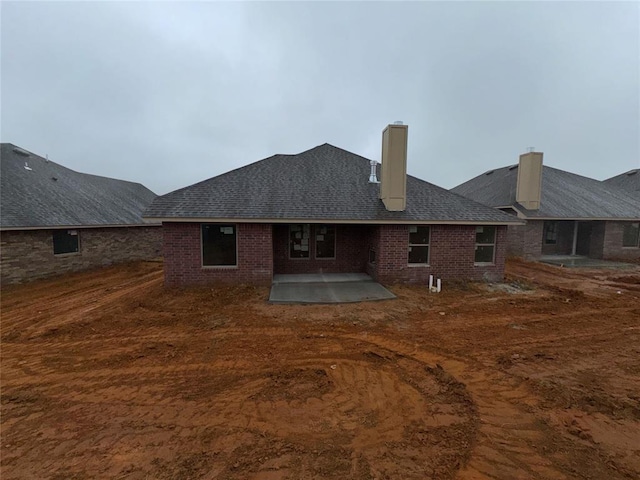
50 195
324 183
629 181
564 195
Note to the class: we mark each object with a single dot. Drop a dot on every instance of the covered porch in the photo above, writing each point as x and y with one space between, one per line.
573 238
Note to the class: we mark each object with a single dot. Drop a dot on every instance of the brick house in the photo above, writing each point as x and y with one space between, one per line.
324 211
55 220
566 214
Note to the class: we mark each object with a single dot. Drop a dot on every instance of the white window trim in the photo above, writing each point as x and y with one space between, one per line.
428 245
218 267
493 258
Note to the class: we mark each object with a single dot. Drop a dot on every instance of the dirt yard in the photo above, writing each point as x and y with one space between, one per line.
106 374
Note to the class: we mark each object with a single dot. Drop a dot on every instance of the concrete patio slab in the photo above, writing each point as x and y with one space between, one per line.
327 288
574 261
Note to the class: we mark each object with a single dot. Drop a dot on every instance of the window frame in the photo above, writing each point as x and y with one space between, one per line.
76 235
316 229
629 224
546 230
235 229
428 245
493 245
290 244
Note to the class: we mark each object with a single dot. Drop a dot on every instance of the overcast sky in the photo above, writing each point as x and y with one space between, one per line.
168 94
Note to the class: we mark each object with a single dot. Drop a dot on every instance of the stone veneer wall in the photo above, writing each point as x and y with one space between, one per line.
28 254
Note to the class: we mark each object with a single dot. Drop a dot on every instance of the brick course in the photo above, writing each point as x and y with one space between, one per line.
263 249
351 251
28 254
183 256
451 255
613 249
605 241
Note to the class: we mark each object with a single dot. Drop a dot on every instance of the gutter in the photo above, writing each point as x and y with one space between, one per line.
329 220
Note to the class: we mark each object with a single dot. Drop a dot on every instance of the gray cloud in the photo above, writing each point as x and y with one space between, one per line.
169 94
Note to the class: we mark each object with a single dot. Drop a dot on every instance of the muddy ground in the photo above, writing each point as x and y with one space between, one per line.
106 374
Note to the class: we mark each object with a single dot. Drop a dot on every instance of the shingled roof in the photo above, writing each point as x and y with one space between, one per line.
564 195
325 183
39 193
629 181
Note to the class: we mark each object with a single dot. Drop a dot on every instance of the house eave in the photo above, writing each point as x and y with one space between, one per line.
586 219
78 227
329 220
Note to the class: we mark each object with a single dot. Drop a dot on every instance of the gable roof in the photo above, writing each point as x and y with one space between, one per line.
565 195
324 183
629 181
47 194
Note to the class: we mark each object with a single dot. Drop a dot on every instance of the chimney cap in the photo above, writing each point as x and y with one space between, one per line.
398 122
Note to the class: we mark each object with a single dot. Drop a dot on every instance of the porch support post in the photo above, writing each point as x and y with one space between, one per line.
575 237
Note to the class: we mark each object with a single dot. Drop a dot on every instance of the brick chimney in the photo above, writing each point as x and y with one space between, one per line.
529 187
393 181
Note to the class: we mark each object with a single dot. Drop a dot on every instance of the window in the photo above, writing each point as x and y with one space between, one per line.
419 244
550 233
299 241
325 241
66 241
485 244
219 245
372 255
631 235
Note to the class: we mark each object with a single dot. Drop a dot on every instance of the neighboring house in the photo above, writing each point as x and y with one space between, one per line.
323 211
629 181
55 220
567 214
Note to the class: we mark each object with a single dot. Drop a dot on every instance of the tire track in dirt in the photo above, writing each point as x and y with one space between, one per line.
499 451
55 313
347 413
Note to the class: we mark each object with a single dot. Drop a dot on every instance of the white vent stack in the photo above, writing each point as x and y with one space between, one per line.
373 177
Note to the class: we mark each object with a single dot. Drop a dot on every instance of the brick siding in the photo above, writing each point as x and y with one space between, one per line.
451 255
351 251
263 249
183 256
525 240
613 249
28 254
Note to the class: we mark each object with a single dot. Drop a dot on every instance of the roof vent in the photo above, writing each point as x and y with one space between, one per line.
20 151
513 167
27 167
373 178
632 172
489 172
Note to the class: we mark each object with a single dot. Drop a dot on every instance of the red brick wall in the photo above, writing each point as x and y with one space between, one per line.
452 252
351 251
451 255
183 256
613 249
